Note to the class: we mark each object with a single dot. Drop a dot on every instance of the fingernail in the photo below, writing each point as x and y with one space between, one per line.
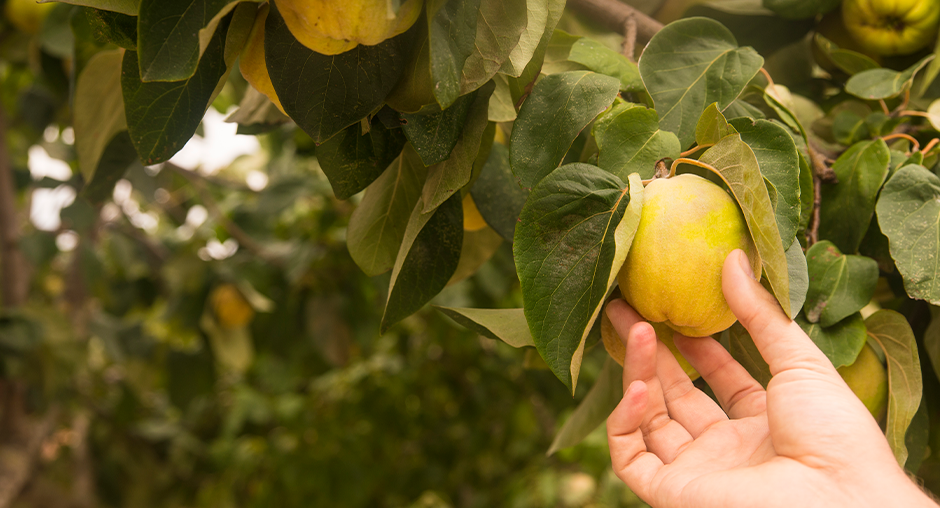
745 264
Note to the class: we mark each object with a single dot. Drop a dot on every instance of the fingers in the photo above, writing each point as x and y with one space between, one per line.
686 404
780 340
738 393
628 454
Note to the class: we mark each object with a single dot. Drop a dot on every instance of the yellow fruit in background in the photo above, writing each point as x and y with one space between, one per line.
230 307
252 64
868 378
27 15
331 27
472 220
617 351
672 274
892 27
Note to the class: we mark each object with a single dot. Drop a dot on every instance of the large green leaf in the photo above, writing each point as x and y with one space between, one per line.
428 257
324 94
874 84
893 333
712 68
840 342
99 109
847 206
738 166
849 61
497 194
434 134
840 284
779 163
798 274
799 9
451 175
507 325
166 48
499 27
594 409
377 226
909 215
573 235
452 29
128 7
163 116
353 159
541 18
712 126
559 107
601 59
629 140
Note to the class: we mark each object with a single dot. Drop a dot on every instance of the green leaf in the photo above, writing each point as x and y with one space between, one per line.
909 215
573 235
113 27
601 59
256 114
98 109
917 438
849 61
807 192
875 84
932 339
166 48
742 348
129 7
738 166
352 159
848 127
117 156
840 284
497 194
429 254
452 28
779 98
414 91
629 140
324 94
905 386
478 247
712 126
597 405
800 9
507 325
502 107
846 207
163 116
434 135
499 27
712 69
779 163
798 274
840 342
377 226
559 107
451 175
541 18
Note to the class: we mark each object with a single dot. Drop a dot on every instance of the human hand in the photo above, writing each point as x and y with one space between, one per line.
805 441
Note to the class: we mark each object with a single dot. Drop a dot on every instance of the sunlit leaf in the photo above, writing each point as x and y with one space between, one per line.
499 27
541 18
452 28
629 140
712 126
601 59
874 84
507 325
99 109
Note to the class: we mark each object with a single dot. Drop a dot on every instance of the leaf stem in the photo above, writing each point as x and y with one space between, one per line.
904 136
932 143
693 162
694 149
884 106
770 80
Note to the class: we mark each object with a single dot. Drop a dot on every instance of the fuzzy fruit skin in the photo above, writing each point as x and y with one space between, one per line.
27 15
868 379
672 274
892 27
331 27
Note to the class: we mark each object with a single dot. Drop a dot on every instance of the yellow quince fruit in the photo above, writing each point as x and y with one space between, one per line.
230 307
331 27
672 274
892 27
868 379
252 63
617 351
27 15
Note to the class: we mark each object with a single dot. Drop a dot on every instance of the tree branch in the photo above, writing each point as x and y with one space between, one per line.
614 16
14 279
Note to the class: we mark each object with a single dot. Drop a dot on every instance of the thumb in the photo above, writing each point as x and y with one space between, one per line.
781 341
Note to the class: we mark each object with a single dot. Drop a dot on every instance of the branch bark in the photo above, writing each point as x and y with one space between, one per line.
615 16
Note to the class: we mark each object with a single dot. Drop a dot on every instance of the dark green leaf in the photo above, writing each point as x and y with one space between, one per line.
875 84
917 438
841 342
601 59
909 215
799 9
452 28
114 27
117 156
932 339
478 247
377 226
849 61
839 284
497 194
352 159
742 348
848 205
575 228
507 325
849 128
330 92
429 254
713 69
594 409
560 106
756 27
905 386
434 135
163 116
629 140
